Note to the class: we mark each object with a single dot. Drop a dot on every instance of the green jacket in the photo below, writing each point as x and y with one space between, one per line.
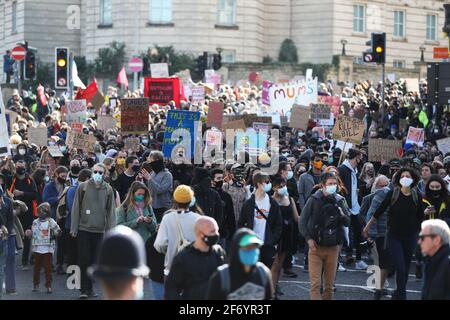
127 216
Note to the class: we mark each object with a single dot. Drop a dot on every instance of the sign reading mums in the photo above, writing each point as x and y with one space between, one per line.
284 96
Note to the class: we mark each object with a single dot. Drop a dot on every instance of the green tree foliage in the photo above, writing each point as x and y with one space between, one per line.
110 60
288 52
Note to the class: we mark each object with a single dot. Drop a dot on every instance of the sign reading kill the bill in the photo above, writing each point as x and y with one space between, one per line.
349 129
384 150
134 116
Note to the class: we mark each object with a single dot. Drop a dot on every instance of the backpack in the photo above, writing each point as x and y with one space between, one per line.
225 281
326 225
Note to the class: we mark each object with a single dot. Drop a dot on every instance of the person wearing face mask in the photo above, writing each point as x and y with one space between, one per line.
261 214
127 177
75 168
41 178
285 171
236 189
24 188
404 208
308 180
426 171
366 180
290 217
193 266
121 265
93 213
120 161
52 194
321 224
244 277
229 223
23 154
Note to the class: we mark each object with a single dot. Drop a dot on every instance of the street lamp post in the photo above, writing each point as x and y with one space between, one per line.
343 42
422 50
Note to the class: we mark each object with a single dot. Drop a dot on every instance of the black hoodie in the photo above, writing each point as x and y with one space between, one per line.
242 286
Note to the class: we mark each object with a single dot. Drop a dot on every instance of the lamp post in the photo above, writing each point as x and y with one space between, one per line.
343 42
422 50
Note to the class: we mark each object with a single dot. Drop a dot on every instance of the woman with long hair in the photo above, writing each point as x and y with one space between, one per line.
41 178
366 180
437 199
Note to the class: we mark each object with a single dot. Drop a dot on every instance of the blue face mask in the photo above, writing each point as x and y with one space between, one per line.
331 189
47 179
267 187
290 174
283 191
249 257
97 177
192 203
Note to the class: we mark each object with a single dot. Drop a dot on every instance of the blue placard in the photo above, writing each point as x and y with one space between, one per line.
177 119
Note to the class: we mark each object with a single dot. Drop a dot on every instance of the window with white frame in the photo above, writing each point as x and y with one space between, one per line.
399 24
359 18
358 60
105 12
226 15
14 17
431 27
399 64
160 11
228 56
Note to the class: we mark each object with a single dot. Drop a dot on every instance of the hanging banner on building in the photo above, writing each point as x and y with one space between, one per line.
76 111
416 136
180 119
349 129
81 141
162 90
322 114
159 70
215 114
37 136
384 150
4 136
284 96
134 116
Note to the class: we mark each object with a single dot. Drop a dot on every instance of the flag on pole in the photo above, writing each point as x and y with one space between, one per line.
76 80
87 93
122 78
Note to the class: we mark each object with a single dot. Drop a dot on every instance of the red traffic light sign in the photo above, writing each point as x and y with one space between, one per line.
18 53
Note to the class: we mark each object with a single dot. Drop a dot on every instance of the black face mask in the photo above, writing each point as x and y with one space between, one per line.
435 193
205 184
61 180
136 168
157 165
218 184
20 171
211 240
90 162
75 170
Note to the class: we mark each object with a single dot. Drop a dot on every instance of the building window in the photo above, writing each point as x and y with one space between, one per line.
14 17
358 60
431 27
359 17
399 24
160 11
228 56
399 64
105 12
227 13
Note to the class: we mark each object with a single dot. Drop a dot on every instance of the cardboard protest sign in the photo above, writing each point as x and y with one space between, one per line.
261 127
37 136
234 125
134 116
4 136
215 114
412 85
349 129
76 111
162 90
284 96
55 152
81 141
159 70
416 136
11 118
300 117
384 150
213 138
322 113
265 92
133 144
180 119
77 127
251 141
98 100
198 95
443 145
334 102
105 122
113 102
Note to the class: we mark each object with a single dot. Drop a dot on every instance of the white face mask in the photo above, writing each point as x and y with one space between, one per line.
22 152
406 182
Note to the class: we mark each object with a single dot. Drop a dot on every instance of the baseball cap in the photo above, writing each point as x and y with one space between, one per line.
250 239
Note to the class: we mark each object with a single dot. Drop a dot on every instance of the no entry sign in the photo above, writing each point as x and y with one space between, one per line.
135 64
19 53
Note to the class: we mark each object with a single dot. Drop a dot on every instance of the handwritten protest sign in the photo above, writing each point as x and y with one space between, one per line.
416 136
105 122
349 129
443 145
76 111
159 70
334 102
234 125
213 138
180 119
37 136
261 127
98 100
322 113
265 92
198 95
81 141
162 90
412 85
134 116
215 114
133 144
284 96
4 136
76 126
300 117
384 150
55 152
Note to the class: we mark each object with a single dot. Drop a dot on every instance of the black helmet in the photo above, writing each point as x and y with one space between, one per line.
122 255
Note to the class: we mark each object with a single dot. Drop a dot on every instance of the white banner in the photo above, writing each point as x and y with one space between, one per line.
284 96
159 70
4 136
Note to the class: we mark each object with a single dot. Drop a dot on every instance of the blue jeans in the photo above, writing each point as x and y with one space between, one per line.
10 269
157 289
401 250
3 251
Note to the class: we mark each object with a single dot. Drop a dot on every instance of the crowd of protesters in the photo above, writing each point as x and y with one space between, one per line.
224 230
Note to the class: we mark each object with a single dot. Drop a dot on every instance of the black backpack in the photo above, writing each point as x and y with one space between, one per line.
326 224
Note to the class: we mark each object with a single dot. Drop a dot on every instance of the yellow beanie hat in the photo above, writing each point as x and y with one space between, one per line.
183 194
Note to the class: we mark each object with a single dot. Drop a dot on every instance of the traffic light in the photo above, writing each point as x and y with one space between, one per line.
446 27
202 63
217 61
29 66
377 52
61 68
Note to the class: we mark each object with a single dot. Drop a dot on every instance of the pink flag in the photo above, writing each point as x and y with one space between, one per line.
122 78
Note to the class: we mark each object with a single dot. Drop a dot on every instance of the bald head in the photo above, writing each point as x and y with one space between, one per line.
206 226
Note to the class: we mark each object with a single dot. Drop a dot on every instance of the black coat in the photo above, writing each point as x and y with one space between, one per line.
346 176
436 284
30 197
228 227
6 214
210 203
274 220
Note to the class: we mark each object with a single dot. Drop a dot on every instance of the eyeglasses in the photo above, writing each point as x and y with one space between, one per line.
98 172
423 236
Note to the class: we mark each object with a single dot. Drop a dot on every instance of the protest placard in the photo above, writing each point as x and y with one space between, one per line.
251 141
134 116
4 136
265 92
322 113
384 150
37 136
11 118
198 95
261 127
85 142
215 114
334 102
180 119
412 85
443 145
98 100
133 144
284 96
213 138
162 90
55 152
416 136
349 129
159 70
234 125
76 111
105 122
300 117
76 126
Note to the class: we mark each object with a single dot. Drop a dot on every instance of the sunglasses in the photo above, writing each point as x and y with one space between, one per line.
423 236
98 172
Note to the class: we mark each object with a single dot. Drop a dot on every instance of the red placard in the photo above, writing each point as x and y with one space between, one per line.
162 90
440 53
77 127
